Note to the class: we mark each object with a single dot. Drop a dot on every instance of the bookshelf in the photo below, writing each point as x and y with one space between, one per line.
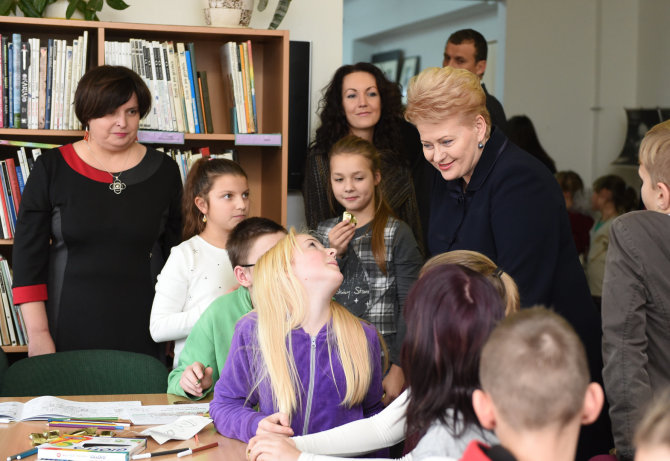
266 166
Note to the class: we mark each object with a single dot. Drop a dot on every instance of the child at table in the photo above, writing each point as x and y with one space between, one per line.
378 255
298 352
535 389
216 198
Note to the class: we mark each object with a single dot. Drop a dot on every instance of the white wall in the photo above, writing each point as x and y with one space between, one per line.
575 81
420 28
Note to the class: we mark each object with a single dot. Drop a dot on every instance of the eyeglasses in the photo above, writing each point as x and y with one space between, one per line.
247 265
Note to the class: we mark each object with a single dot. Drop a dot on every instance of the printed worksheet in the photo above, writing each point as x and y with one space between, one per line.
46 407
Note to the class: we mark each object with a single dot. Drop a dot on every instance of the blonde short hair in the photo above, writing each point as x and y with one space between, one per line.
534 367
654 429
655 153
478 262
439 93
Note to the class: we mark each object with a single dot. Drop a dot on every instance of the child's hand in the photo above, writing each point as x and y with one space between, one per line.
196 378
277 423
340 236
393 383
272 447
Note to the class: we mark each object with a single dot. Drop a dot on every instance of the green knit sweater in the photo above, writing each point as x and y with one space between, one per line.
209 340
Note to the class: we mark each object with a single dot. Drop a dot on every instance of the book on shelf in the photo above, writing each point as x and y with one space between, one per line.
25 70
84 447
175 86
4 331
204 99
39 81
4 215
7 309
5 82
194 95
13 183
186 86
11 211
190 47
253 85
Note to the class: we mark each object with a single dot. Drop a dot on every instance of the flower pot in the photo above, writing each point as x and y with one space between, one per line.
229 13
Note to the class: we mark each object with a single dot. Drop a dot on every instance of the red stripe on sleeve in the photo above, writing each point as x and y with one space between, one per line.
30 293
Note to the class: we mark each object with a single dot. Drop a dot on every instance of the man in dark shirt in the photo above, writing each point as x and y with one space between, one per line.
467 49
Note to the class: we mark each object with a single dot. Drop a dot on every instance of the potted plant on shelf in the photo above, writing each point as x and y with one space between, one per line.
36 8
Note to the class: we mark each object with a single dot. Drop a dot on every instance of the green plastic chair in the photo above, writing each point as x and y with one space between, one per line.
4 364
86 372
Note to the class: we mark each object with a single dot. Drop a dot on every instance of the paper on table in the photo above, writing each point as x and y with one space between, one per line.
49 407
163 414
183 428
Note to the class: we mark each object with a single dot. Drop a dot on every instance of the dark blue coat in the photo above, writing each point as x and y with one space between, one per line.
513 211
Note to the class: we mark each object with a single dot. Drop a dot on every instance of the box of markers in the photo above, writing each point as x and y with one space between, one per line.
83 447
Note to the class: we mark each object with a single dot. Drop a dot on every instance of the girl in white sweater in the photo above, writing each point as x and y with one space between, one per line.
216 198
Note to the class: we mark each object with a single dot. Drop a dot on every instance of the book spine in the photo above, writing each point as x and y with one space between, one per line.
194 97
185 86
67 82
16 79
23 163
4 214
19 177
4 331
177 94
5 82
49 84
54 84
8 194
7 308
168 86
25 70
165 112
42 98
149 74
33 120
2 81
207 108
190 47
13 183
74 79
253 86
245 91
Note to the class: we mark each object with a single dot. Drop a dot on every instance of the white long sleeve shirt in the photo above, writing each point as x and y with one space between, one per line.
195 274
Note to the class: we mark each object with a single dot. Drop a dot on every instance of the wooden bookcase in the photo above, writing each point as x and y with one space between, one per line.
266 166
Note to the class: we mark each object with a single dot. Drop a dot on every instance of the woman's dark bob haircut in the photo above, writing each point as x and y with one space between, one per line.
102 89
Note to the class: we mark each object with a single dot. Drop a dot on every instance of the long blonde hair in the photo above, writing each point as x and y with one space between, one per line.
280 302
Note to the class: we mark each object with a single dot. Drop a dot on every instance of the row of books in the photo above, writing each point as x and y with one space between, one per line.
13 177
12 327
180 93
185 158
237 69
39 80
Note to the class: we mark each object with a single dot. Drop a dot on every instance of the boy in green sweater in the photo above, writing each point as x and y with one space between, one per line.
207 345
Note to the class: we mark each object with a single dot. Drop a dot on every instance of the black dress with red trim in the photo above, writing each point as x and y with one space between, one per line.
91 253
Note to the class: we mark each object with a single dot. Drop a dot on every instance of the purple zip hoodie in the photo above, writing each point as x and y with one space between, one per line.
232 407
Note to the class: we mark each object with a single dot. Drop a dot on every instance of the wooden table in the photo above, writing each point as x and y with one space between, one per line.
14 436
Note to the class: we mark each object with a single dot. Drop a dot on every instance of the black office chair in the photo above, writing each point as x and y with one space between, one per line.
86 372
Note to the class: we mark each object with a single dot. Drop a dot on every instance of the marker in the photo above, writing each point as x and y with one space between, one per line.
190 451
159 453
25 454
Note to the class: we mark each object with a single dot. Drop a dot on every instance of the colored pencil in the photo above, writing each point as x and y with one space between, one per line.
190 451
25 454
159 453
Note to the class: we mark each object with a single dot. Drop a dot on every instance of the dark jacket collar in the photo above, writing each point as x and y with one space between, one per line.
492 150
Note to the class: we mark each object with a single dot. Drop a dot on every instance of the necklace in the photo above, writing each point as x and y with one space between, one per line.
117 186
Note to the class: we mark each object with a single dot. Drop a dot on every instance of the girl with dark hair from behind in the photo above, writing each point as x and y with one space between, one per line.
611 197
360 100
520 131
216 198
